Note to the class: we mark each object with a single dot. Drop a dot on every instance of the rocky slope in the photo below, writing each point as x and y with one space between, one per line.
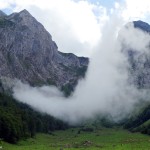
28 53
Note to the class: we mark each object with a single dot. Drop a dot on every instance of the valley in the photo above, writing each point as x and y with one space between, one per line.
44 90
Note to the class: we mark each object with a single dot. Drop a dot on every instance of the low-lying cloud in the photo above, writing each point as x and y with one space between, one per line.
105 90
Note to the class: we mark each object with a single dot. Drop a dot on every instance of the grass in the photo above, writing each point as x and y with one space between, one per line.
72 139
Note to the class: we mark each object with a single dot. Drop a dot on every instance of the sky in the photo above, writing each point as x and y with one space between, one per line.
76 25
106 3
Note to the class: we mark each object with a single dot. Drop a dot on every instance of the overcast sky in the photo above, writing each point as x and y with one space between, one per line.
76 25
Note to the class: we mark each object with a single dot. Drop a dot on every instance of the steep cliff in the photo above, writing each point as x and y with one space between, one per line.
28 53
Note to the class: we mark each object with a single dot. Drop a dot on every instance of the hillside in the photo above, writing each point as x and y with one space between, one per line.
139 76
140 122
19 121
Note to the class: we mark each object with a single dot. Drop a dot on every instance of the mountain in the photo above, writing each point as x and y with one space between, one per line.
139 60
28 53
139 122
19 121
142 25
139 75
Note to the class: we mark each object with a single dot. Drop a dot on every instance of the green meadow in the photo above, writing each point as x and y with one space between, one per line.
105 139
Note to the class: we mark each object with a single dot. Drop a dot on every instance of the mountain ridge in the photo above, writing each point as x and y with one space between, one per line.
28 53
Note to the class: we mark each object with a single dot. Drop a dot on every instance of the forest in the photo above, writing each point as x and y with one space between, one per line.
19 121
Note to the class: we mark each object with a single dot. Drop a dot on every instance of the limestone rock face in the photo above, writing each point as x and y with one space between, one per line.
28 53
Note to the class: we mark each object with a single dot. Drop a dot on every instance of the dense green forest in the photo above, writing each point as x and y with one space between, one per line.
19 121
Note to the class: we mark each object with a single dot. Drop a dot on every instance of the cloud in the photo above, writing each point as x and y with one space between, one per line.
139 40
137 9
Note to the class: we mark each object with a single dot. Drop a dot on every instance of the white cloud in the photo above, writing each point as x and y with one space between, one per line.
139 40
137 9
5 4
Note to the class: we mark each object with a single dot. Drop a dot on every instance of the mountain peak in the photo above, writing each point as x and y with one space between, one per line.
24 12
23 18
30 48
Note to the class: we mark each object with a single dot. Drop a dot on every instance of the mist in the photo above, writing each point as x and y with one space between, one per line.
105 90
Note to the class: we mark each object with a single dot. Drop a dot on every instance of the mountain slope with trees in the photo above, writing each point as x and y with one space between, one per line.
19 121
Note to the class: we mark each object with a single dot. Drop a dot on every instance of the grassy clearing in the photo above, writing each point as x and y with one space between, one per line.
106 139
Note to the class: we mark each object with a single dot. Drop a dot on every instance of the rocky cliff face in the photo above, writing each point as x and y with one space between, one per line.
28 53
